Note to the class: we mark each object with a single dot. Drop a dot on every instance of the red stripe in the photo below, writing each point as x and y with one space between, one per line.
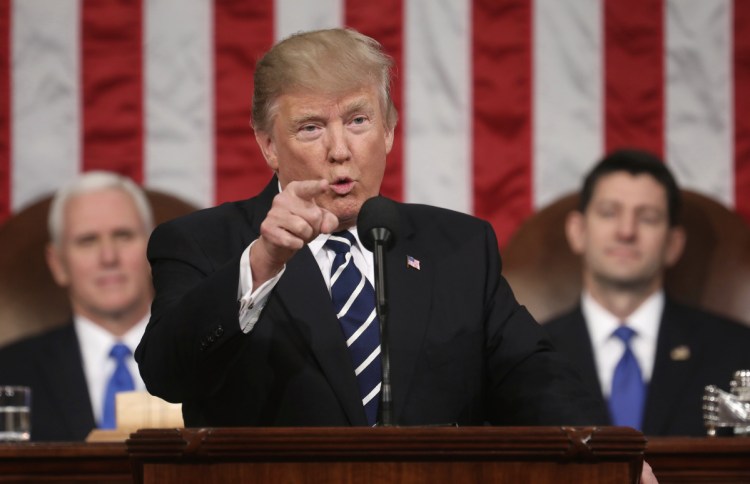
502 96
111 82
383 21
5 110
742 107
243 31
634 74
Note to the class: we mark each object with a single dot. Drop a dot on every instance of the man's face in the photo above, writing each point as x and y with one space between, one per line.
101 258
339 138
624 236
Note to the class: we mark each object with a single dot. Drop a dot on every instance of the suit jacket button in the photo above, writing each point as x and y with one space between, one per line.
219 331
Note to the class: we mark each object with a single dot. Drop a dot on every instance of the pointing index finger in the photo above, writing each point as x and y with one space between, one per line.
308 189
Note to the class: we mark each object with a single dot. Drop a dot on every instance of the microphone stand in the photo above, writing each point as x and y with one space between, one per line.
381 237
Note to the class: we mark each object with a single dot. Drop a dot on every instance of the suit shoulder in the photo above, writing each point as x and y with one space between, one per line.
452 226
708 321
39 344
211 217
564 319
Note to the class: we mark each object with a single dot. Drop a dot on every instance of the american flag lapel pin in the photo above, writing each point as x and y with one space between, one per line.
412 262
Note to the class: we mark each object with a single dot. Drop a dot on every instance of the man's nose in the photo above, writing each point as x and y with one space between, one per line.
338 145
627 225
109 252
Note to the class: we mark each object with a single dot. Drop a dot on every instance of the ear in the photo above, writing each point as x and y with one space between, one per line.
57 265
676 240
268 148
575 231
389 135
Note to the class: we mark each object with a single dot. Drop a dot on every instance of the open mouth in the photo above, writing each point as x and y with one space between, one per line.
342 186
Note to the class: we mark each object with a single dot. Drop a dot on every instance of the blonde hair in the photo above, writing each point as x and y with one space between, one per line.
333 60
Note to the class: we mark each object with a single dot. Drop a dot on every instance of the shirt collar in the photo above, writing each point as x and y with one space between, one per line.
95 339
602 323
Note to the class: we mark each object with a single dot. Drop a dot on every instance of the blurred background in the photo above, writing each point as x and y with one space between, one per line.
503 103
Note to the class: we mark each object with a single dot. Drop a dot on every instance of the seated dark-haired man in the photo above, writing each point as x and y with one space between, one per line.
648 357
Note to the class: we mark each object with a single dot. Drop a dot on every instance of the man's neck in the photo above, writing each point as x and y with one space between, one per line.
117 324
620 301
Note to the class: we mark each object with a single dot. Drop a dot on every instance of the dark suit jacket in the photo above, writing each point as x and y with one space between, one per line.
462 349
52 366
717 348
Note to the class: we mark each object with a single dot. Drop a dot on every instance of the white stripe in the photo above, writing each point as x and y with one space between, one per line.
437 103
178 100
367 362
292 16
352 298
567 104
361 329
46 102
342 267
371 395
343 240
699 114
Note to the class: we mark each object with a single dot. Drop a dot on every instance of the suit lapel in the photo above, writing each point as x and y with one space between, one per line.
67 382
671 370
581 354
409 290
303 292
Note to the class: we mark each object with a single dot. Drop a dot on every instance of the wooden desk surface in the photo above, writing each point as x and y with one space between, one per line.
65 462
674 460
699 459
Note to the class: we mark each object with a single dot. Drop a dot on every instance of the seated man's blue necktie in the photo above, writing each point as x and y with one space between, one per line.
628 395
354 302
120 381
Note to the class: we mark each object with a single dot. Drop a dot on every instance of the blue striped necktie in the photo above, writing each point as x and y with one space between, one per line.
354 302
120 381
628 395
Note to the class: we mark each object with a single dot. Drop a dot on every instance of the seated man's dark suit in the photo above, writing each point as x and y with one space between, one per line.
693 349
462 349
51 364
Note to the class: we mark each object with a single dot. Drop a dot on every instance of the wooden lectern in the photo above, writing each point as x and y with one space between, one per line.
388 455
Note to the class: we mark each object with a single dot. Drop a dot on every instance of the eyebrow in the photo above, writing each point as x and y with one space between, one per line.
353 107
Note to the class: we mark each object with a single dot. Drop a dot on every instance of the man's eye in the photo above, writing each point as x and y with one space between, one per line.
125 235
651 218
359 120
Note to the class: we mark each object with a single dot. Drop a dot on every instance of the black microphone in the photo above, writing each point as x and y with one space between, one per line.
376 225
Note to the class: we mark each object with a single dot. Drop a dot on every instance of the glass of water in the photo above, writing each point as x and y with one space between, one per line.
15 409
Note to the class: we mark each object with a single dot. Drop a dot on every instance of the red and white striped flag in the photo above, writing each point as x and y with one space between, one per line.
503 103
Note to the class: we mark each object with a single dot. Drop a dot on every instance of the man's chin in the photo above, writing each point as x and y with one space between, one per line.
627 282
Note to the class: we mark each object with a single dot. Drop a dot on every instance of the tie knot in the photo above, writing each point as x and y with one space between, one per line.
625 333
340 242
119 352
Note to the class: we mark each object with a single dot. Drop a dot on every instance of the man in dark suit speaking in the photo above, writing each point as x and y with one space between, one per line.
648 357
251 323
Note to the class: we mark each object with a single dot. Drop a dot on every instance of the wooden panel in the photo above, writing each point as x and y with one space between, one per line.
65 462
704 460
392 455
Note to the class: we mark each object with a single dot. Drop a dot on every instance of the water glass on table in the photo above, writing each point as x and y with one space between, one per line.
15 413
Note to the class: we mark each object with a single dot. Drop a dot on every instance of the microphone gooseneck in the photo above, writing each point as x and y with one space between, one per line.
376 225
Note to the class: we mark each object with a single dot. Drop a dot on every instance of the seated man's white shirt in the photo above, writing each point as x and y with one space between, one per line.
608 349
252 303
95 343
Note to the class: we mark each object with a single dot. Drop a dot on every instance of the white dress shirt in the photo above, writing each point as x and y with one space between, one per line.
96 343
608 349
252 301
